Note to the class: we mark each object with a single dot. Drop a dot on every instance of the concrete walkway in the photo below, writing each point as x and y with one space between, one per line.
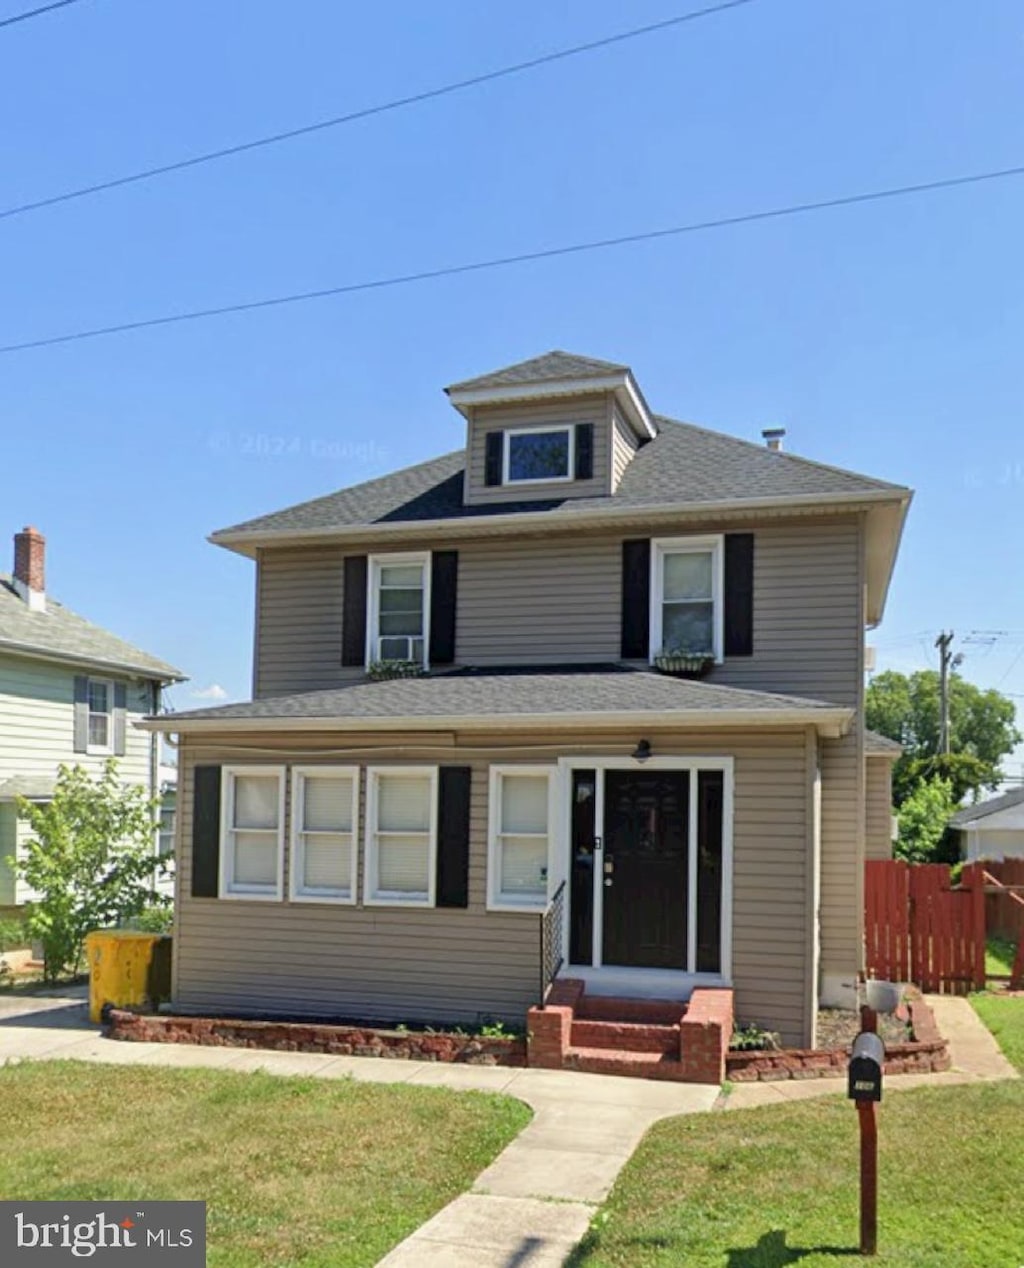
527 1210
976 1058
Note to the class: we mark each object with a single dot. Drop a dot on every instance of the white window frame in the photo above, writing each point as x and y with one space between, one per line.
495 900
99 749
662 546
228 889
376 563
506 453
297 892
372 896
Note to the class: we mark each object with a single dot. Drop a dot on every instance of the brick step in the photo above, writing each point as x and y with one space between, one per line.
625 1037
646 1012
635 1065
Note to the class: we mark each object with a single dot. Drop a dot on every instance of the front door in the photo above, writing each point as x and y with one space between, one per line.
645 868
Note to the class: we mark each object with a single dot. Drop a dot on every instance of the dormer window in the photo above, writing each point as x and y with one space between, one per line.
398 607
535 455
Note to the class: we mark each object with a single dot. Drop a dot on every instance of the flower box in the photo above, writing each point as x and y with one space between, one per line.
380 670
684 664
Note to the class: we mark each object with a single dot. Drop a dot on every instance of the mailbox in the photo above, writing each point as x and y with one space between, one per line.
866 1062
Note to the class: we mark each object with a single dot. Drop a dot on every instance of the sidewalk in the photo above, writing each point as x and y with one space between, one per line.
528 1209
976 1058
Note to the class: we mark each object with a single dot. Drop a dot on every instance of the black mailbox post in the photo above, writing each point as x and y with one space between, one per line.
866 1061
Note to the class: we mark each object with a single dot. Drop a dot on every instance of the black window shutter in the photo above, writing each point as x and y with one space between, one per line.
120 718
453 836
206 832
636 599
584 451
739 594
353 621
81 724
493 455
444 579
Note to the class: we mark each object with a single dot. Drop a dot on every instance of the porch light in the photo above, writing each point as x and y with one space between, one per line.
642 751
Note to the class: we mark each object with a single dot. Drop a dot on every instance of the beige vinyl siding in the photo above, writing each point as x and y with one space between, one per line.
624 446
298 621
8 837
394 964
558 413
878 809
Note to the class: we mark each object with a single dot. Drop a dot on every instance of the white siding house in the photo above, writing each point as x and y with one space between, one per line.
69 693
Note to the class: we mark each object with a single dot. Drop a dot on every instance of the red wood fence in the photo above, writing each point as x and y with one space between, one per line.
919 928
1004 916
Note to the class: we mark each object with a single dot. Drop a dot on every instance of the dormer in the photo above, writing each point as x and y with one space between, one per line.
558 426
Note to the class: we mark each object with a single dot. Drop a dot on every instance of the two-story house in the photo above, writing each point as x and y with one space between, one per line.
409 848
70 693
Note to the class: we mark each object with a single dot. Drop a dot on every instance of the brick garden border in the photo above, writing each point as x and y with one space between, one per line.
285 1036
928 1053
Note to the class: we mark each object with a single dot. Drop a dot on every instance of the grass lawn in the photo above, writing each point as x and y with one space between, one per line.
294 1171
1004 1016
774 1186
999 956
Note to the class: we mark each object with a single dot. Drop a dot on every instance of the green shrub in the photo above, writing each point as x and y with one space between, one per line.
154 919
12 935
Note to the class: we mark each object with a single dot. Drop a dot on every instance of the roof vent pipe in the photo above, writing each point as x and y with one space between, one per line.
773 437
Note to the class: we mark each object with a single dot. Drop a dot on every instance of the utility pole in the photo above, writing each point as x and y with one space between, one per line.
947 663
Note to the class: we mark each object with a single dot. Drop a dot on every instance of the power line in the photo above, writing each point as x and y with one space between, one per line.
525 257
35 13
367 112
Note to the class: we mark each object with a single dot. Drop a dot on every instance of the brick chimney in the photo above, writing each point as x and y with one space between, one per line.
29 567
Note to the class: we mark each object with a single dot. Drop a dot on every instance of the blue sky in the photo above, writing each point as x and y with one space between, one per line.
886 338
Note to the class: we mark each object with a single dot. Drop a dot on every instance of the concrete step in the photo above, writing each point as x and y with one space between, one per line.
636 1065
618 1036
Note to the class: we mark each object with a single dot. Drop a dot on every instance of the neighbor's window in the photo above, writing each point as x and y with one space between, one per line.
101 708
398 608
165 841
253 809
324 807
401 839
534 454
686 596
520 836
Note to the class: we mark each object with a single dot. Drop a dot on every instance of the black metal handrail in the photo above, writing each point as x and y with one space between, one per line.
552 931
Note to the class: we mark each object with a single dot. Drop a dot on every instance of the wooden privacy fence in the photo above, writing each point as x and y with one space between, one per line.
919 928
1004 914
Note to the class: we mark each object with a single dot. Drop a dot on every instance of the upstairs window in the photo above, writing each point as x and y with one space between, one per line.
398 607
535 455
101 707
686 596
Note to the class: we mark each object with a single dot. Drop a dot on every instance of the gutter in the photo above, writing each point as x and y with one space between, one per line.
831 722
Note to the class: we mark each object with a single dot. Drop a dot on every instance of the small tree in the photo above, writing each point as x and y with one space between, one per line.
91 862
923 819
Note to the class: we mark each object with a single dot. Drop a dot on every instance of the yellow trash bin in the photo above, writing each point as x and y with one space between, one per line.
126 969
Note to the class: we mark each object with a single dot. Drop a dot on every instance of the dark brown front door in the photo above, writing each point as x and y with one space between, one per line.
646 816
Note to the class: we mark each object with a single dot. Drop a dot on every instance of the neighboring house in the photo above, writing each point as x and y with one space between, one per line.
992 829
69 692
388 849
880 825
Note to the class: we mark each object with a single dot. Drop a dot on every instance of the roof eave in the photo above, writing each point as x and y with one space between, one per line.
166 674
622 383
247 542
884 534
831 723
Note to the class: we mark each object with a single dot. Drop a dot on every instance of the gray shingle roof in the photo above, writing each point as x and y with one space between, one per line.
983 809
34 787
549 367
508 692
63 635
878 745
683 465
